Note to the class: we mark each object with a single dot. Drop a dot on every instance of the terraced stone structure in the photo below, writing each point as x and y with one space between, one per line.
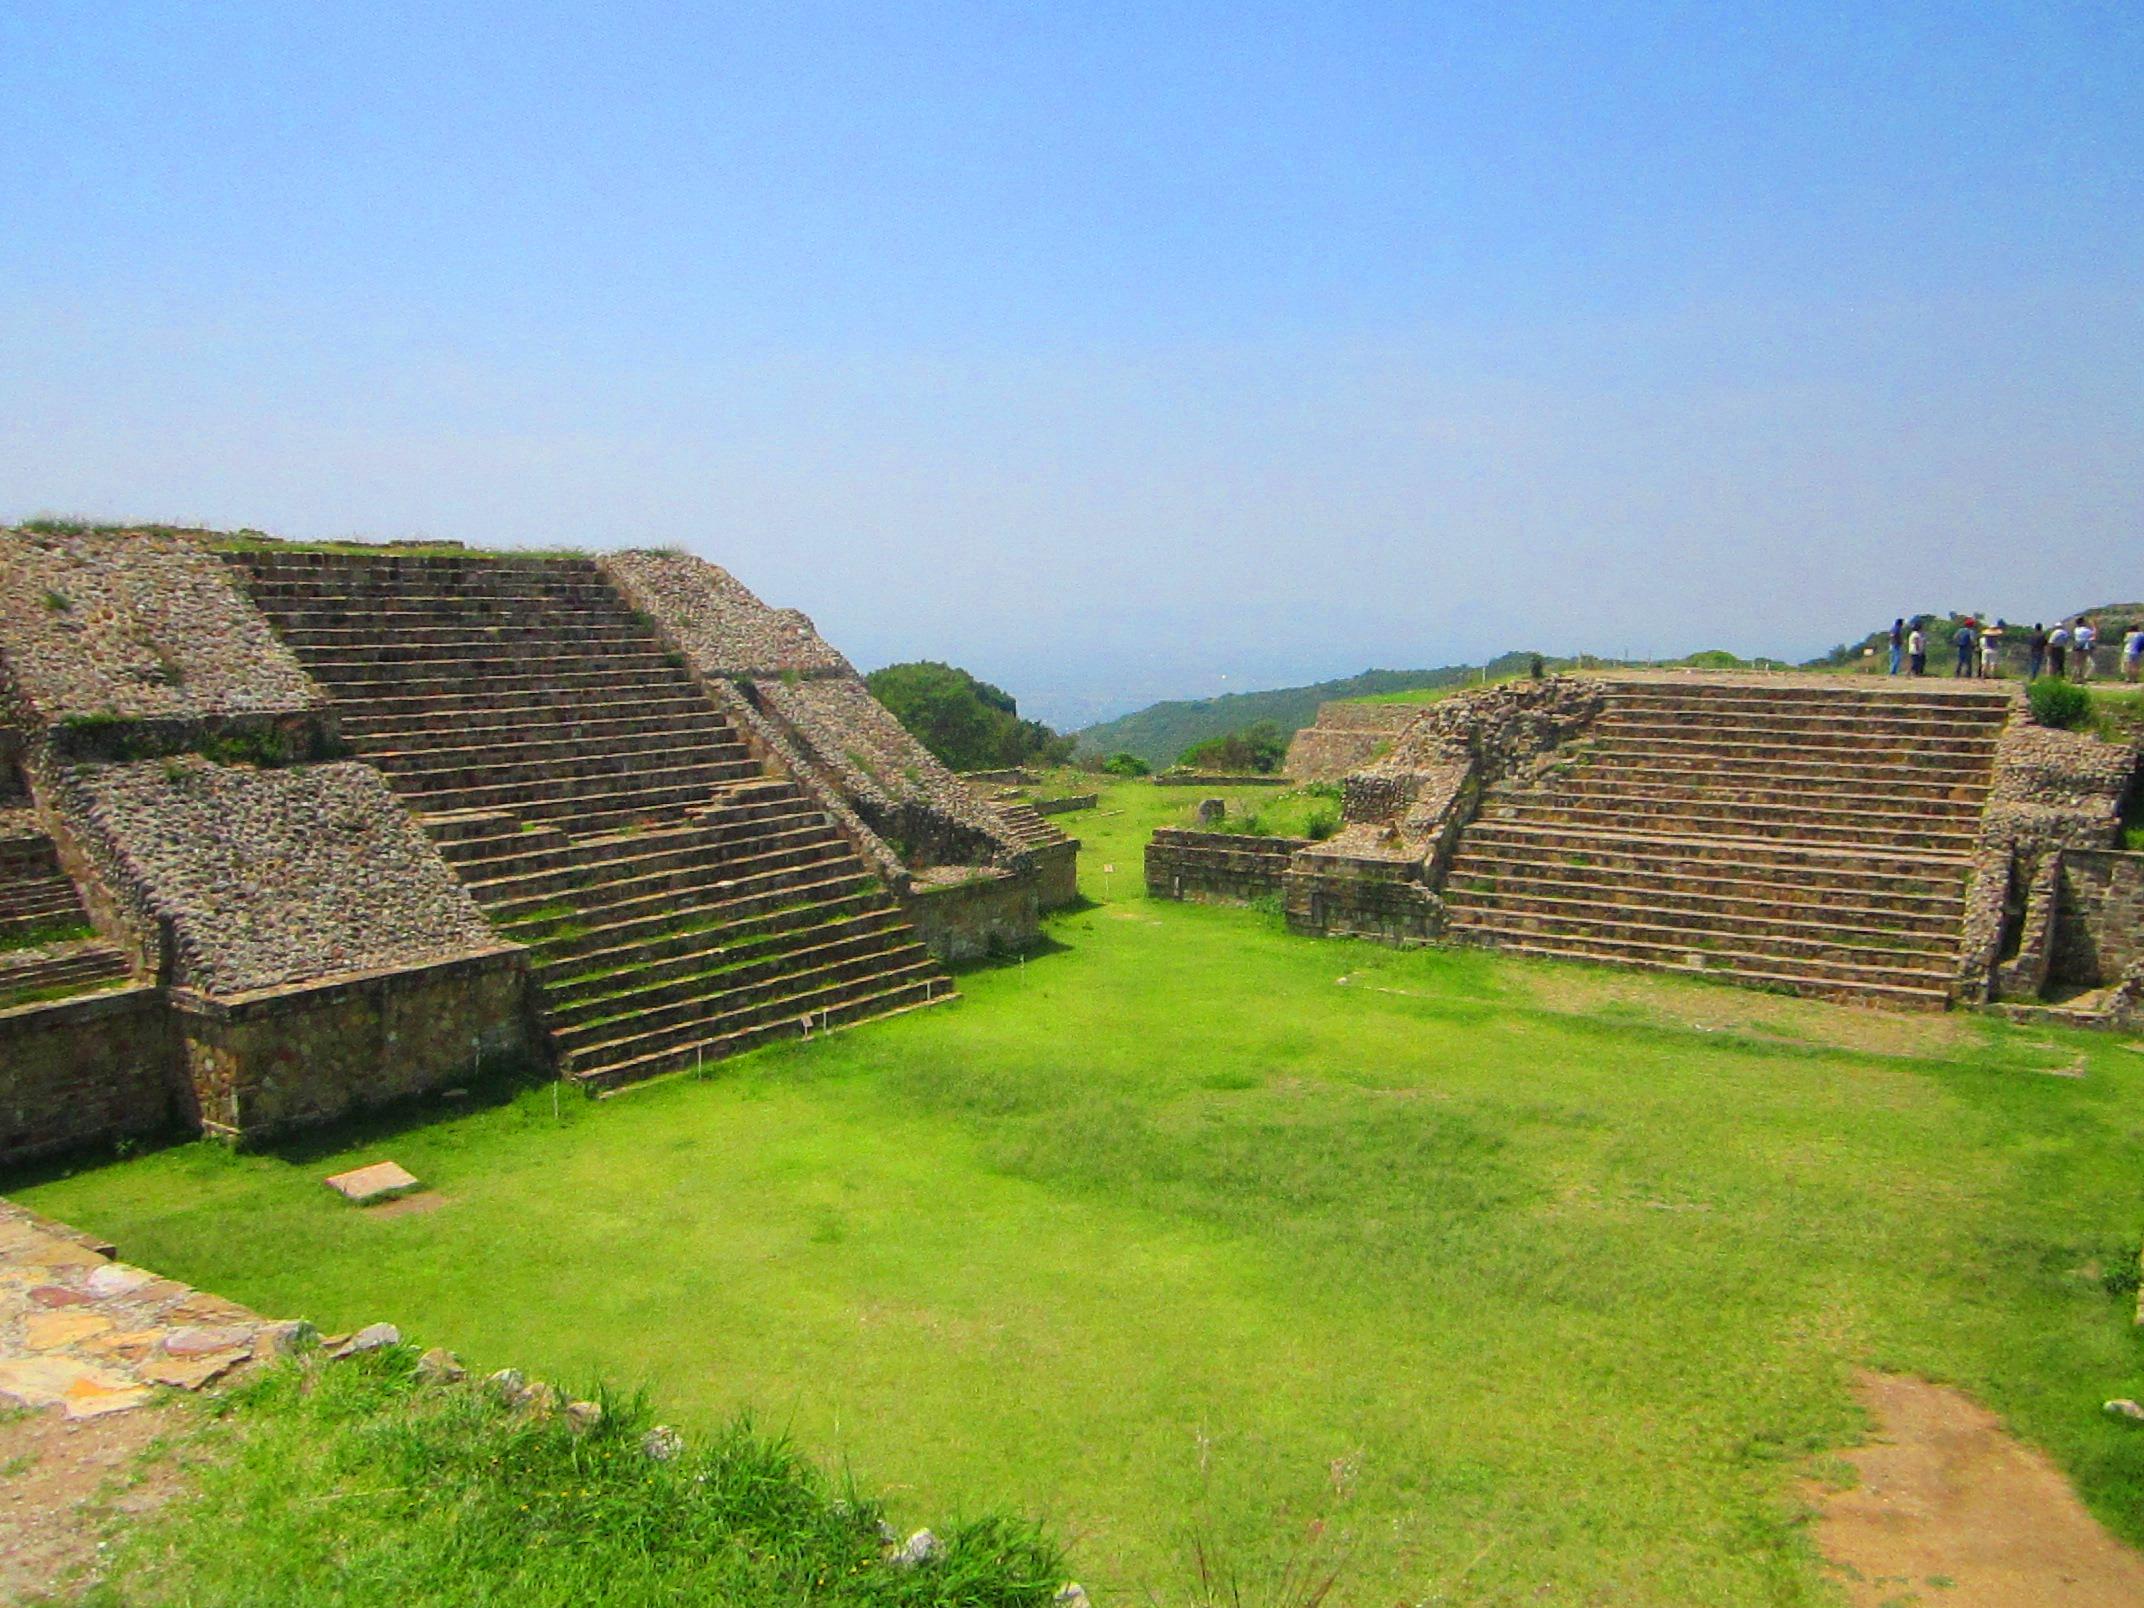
346 825
1896 842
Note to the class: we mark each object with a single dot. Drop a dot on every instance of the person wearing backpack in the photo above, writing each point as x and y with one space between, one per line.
2083 640
2058 651
2036 653
1963 642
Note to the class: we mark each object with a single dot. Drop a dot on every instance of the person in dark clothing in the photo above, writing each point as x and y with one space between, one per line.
1898 643
2036 653
2058 651
1963 642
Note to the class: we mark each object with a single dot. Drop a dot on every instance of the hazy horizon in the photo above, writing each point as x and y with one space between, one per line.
1123 353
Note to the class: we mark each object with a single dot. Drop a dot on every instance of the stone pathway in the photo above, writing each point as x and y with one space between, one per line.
90 1335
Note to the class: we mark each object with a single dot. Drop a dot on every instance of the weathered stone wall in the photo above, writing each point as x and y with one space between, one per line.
1064 806
1345 738
988 912
260 1064
1217 867
1361 897
88 1071
2052 790
2099 916
1056 873
927 813
265 878
137 626
716 621
1192 778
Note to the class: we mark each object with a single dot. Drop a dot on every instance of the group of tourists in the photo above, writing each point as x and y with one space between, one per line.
2069 652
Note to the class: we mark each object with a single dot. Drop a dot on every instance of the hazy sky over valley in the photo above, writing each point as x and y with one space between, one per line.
1114 352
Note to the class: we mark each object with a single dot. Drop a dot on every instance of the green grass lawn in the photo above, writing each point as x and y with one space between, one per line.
1478 1280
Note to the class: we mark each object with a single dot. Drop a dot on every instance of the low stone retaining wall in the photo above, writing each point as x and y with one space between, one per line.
260 1064
86 1071
1057 873
989 913
1217 867
1358 897
1212 779
2099 916
1059 806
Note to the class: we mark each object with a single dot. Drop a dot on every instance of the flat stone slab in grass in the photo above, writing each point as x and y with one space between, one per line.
376 1182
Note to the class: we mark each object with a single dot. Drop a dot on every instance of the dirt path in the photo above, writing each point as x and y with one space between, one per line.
1951 1510
61 1478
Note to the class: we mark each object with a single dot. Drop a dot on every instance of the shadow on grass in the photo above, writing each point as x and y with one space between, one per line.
1041 949
383 1122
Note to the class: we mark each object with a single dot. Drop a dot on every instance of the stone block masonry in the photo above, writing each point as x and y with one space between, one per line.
1217 867
2099 924
1345 738
86 1071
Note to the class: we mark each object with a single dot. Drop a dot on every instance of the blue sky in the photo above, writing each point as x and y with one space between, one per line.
1116 352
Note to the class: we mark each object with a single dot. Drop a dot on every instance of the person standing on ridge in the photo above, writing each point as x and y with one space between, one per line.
2036 653
2084 639
1963 642
1898 643
1991 650
1917 650
2058 651
2133 655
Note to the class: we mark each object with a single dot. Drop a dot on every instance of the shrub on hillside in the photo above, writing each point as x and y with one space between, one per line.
968 724
1256 749
2059 704
1126 765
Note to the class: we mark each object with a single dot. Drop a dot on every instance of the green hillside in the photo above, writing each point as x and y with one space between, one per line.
1160 732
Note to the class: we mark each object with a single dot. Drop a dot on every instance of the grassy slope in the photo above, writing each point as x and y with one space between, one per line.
1521 1283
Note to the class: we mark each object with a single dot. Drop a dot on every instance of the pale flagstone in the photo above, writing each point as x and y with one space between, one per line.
48 1331
200 1342
53 1253
192 1373
116 1278
376 1182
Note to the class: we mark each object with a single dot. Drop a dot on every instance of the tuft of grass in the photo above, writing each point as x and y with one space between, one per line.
57 930
354 1483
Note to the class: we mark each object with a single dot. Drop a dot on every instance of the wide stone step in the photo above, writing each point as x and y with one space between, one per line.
1959 800
574 996
678 897
568 767
1835 963
685 787
1676 737
393 722
671 859
1938 900
1584 790
602 952
1747 971
686 993
1732 848
495 859
26 973
917 989
1841 715
778 1011
456 637
1991 704
451 739
712 740
1702 821
1906 778
1760 926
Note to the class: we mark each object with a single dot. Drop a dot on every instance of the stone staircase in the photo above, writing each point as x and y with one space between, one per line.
679 903
1028 826
47 948
1796 836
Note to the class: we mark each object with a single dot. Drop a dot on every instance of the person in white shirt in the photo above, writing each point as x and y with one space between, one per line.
1917 651
1991 650
2083 639
2058 651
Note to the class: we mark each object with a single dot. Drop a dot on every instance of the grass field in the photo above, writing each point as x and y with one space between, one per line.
1476 1280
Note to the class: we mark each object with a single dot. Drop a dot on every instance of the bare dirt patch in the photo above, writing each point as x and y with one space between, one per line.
62 1480
1952 1510
1784 1018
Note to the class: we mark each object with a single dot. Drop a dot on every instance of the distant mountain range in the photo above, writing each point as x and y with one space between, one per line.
1162 731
